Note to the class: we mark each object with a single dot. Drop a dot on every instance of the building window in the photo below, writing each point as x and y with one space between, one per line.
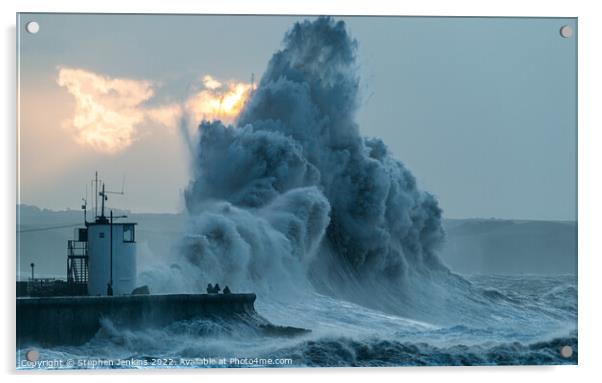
101 235
128 233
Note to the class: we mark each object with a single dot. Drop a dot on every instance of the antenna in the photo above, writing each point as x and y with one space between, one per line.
85 209
122 192
115 192
91 194
96 194
85 205
103 194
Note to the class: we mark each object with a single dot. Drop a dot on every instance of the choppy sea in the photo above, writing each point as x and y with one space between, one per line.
345 334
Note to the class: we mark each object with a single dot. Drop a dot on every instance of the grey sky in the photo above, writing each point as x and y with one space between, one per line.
482 110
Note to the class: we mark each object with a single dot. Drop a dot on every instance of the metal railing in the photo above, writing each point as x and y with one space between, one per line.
77 262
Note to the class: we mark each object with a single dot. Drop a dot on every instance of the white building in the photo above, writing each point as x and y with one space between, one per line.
121 257
102 258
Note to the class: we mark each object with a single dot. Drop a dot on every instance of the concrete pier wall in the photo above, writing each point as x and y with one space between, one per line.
75 320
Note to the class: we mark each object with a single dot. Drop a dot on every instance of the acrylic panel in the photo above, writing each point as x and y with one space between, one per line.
202 191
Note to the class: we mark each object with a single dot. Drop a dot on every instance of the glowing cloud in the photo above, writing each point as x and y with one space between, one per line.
211 83
107 109
166 115
109 112
218 101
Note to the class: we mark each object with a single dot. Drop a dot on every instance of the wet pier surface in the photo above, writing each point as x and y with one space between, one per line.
75 320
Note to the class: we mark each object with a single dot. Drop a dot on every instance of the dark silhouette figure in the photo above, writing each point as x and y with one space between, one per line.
109 290
216 288
210 289
227 290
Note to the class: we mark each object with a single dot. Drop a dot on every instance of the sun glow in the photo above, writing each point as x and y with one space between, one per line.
110 113
219 101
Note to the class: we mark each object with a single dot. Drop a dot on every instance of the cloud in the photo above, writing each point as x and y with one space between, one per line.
107 109
211 83
111 112
166 115
218 101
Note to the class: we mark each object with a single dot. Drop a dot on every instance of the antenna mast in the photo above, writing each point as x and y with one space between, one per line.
85 205
103 194
104 198
96 194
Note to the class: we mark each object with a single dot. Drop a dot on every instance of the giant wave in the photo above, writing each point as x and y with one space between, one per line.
291 198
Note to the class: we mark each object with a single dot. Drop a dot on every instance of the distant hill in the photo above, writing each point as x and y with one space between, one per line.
510 247
472 245
156 234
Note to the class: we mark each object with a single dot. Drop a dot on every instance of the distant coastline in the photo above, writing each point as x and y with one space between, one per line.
472 246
